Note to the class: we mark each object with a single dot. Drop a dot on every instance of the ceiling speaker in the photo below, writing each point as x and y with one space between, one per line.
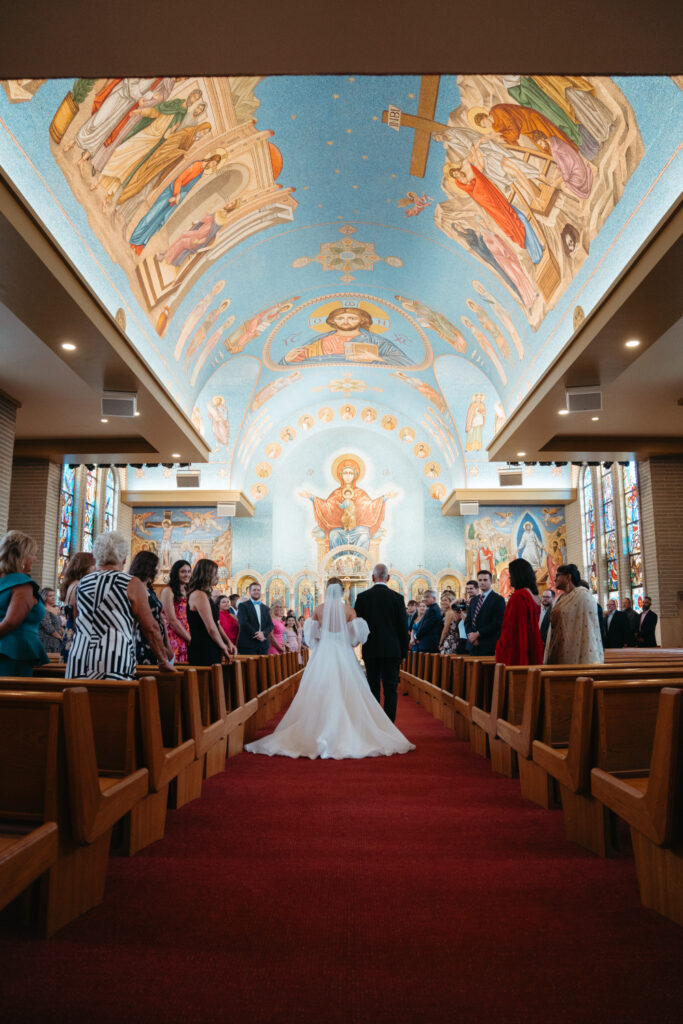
226 508
469 508
583 399
187 478
510 477
119 403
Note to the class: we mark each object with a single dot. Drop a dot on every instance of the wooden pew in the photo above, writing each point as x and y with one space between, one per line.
25 857
476 690
127 732
652 804
547 695
49 774
612 727
239 711
647 655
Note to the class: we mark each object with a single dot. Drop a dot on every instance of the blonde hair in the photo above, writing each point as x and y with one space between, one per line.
15 547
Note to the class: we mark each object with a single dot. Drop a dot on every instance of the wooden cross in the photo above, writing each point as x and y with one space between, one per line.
423 123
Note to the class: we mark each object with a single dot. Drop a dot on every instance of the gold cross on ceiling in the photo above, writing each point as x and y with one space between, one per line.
423 123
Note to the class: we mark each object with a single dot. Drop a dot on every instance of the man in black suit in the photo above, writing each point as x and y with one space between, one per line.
255 622
411 614
616 625
484 617
387 643
547 602
645 636
633 620
430 627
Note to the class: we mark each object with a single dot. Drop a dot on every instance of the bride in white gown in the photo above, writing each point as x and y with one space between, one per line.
334 714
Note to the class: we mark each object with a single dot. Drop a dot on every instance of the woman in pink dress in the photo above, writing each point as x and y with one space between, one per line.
174 602
277 643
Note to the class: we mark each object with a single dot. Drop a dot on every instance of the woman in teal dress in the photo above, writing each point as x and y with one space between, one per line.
21 609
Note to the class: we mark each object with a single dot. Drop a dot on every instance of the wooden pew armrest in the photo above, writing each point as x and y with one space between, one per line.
554 761
628 799
25 858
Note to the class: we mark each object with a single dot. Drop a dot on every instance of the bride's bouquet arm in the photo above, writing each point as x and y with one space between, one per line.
311 632
359 631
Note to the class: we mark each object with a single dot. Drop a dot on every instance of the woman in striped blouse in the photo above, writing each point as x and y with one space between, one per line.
109 602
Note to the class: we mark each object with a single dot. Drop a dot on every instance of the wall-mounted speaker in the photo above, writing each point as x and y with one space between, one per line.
583 399
510 477
187 478
469 508
119 403
226 508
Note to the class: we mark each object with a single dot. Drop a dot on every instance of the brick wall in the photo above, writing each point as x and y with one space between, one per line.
661 505
8 416
34 509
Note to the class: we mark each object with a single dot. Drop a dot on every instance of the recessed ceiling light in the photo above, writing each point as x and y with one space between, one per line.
595 418
137 412
521 454
175 455
563 412
104 421
633 343
68 346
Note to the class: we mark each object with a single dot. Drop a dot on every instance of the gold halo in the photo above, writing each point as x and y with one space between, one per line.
355 460
471 113
376 312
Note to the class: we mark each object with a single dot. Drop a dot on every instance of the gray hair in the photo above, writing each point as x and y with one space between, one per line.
432 593
380 572
110 548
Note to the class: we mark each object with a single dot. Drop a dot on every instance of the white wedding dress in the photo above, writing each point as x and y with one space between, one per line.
334 714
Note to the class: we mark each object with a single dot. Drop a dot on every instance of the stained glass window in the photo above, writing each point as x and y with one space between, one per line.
609 536
89 509
632 529
66 518
589 530
110 502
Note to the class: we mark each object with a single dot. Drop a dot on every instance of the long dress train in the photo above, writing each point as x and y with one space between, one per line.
334 714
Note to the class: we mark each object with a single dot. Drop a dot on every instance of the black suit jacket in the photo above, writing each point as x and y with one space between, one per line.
488 625
618 630
645 637
249 624
545 625
429 629
385 614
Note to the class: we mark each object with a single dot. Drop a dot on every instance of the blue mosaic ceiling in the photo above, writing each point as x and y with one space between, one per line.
286 249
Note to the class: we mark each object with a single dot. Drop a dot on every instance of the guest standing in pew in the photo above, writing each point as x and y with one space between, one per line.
108 604
208 642
144 566
633 620
484 617
547 602
421 609
645 635
291 637
174 601
255 622
453 637
277 645
50 630
574 635
21 607
617 627
520 637
228 618
78 566
429 628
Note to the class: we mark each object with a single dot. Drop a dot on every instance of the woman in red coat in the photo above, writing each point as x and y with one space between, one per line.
520 637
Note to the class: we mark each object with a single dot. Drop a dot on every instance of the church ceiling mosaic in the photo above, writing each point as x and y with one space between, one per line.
401 256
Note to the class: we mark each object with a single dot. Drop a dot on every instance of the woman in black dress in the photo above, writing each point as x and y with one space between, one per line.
144 566
208 642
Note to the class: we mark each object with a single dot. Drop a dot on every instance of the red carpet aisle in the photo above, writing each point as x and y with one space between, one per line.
414 888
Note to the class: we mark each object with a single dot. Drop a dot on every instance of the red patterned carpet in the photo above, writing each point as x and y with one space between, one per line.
415 888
